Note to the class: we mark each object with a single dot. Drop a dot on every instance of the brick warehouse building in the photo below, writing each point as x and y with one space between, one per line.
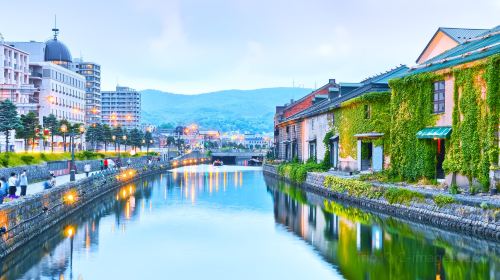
287 134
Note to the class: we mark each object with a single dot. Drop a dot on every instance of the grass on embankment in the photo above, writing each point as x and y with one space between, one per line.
297 172
393 195
18 159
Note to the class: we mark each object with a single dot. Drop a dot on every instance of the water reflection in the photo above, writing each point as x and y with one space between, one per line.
223 222
367 246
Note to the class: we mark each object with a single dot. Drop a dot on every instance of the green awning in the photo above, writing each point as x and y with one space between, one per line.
440 132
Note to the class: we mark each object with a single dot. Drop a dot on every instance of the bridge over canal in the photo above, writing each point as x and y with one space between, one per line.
237 157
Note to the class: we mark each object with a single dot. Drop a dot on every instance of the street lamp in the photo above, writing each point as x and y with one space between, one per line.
82 130
114 140
125 141
72 170
64 129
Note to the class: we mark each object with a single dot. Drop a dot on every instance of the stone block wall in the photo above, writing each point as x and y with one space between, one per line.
40 172
25 218
465 215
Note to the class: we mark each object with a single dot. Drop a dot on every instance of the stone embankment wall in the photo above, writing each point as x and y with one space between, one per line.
25 218
40 172
463 216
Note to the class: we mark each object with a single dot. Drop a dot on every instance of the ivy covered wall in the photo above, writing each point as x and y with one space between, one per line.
411 110
473 147
350 120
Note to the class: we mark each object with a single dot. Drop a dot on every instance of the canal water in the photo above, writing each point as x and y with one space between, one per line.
204 222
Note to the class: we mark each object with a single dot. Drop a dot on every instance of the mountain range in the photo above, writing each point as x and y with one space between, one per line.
228 110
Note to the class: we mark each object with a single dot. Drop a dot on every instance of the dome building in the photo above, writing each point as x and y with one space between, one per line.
59 89
57 52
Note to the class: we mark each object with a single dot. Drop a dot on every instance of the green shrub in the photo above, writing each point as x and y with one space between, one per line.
454 189
484 205
352 187
297 172
442 200
402 196
4 159
28 159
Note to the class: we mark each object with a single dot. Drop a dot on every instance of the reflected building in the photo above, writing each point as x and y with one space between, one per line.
365 246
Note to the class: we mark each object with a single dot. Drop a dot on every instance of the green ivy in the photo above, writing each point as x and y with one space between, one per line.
492 77
350 120
473 146
411 110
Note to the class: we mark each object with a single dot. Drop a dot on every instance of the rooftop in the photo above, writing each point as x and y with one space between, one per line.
482 46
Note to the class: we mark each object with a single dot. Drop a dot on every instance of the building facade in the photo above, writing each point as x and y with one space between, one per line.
58 89
457 135
92 73
121 107
14 79
288 130
61 91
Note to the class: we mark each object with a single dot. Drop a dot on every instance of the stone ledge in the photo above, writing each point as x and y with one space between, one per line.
424 213
25 218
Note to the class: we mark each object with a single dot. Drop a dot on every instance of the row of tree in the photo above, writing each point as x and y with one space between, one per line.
103 133
28 128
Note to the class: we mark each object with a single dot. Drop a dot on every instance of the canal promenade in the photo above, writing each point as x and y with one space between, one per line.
25 218
442 211
196 216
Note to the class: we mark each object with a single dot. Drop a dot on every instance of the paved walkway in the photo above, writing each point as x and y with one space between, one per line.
38 187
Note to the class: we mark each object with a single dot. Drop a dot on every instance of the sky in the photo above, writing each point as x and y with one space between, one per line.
197 46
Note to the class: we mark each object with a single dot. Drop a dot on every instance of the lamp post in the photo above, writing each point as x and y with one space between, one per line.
114 140
64 129
82 130
72 171
125 141
150 142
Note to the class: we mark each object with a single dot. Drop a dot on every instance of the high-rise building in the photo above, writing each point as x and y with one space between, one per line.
121 107
14 79
60 91
92 73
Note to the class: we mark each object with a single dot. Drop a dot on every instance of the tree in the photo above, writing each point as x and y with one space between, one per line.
52 124
106 136
148 138
170 140
94 134
27 130
118 134
63 133
135 138
9 120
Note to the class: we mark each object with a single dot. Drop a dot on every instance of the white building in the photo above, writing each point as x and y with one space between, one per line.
121 107
59 90
92 73
14 78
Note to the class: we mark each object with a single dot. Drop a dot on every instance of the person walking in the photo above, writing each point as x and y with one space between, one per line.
13 184
23 181
129 162
101 164
4 189
105 163
86 169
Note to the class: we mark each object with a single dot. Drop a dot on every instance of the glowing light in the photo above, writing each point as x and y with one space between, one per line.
69 231
51 99
70 197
